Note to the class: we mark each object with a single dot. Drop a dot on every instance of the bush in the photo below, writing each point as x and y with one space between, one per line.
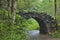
13 32
32 24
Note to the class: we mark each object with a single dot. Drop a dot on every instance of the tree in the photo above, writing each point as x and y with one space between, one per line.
56 14
8 12
0 4
13 10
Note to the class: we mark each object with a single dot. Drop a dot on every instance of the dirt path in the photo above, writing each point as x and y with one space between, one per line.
34 35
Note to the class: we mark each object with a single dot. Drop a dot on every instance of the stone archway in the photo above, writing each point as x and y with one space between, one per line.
46 21
42 28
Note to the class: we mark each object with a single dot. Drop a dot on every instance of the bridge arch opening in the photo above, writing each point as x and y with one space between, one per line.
42 24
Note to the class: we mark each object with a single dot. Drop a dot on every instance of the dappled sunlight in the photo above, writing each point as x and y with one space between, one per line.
40 0
34 32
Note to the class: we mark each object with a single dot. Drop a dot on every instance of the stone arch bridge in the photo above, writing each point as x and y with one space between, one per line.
46 22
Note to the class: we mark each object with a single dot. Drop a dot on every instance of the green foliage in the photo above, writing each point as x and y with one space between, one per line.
32 24
56 34
16 32
4 13
21 27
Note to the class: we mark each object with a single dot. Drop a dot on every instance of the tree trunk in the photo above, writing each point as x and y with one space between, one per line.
55 14
13 11
0 3
8 12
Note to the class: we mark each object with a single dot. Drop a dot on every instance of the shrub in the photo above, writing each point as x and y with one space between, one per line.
13 32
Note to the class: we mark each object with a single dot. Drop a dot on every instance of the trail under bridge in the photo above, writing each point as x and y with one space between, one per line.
35 35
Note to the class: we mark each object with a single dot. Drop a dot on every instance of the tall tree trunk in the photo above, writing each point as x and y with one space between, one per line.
56 14
13 10
8 12
0 3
